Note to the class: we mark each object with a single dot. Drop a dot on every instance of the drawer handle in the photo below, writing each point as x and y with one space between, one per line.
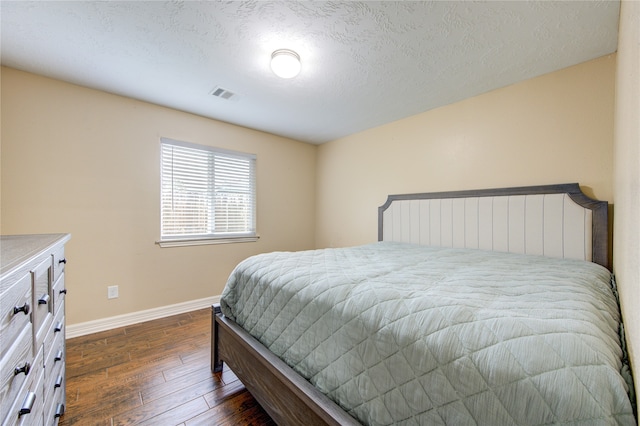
27 404
59 327
63 260
24 308
24 369
44 299
59 410
58 356
58 382
63 291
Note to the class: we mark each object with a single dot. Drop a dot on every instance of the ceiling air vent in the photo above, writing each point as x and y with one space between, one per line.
221 93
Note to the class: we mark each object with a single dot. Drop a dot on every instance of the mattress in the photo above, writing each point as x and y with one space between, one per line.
413 335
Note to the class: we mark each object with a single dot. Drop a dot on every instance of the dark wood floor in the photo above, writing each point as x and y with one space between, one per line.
154 373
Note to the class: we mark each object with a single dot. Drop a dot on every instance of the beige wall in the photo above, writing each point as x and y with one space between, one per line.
626 260
557 128
86 162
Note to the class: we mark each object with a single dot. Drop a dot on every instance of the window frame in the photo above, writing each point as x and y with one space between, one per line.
208 238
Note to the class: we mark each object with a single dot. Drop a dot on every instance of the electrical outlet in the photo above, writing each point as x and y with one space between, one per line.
112 292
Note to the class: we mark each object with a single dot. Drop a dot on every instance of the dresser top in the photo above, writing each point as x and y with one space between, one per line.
17 249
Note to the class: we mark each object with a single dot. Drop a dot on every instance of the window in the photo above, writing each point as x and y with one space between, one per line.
208 195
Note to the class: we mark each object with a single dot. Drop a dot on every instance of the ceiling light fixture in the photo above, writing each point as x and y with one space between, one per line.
285 63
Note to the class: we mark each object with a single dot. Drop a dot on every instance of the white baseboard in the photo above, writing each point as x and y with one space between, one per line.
95 326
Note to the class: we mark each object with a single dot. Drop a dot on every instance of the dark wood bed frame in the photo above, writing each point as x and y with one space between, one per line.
292 400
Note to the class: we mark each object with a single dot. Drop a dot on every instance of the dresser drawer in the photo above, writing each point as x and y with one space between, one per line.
54 395
15 370
54 368
59 262
42 303
54 344
27 408
16 309
59 293
55 412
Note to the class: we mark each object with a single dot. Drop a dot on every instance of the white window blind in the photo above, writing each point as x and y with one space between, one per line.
207 193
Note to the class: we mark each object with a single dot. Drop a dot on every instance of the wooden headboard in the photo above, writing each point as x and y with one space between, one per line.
550 220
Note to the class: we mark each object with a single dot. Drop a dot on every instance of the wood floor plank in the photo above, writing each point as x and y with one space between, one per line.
227 376
234 404
99 363
143 365
178 385
103 386
196 356
254 415
120 345
169 402
89 380
224 393
103 408
191 369
176 415
154 373
237 410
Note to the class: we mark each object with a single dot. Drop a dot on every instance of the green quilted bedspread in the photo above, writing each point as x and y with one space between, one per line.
414 335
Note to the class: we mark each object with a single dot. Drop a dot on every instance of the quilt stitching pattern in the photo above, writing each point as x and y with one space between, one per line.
402 335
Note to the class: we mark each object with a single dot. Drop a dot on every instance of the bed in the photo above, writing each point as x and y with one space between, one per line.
491 307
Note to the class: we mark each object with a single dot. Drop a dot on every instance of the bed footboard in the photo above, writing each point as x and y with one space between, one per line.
286 396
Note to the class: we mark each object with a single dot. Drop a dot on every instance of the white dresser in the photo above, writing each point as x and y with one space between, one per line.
32 329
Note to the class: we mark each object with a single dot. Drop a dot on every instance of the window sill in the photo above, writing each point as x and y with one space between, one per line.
206 241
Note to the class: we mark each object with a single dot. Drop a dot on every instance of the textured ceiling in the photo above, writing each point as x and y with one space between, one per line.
364 64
